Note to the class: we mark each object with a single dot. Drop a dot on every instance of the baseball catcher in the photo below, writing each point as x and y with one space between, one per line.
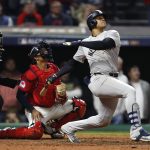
47 112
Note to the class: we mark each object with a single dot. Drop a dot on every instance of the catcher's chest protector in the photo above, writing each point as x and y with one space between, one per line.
41 76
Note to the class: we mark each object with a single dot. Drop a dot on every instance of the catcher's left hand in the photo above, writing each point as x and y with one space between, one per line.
61 93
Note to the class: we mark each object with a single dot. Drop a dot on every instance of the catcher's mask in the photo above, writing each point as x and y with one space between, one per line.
42 49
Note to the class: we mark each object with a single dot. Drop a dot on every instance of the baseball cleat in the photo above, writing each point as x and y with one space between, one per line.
139 134
54 134
57 135
71 136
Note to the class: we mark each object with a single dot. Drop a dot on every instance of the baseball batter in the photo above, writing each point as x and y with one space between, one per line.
101 49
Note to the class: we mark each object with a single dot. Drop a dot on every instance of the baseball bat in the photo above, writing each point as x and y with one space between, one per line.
44 89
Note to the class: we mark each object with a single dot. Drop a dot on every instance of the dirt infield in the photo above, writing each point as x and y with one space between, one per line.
89 141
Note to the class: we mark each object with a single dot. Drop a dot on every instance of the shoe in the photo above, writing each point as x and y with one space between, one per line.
139 134
71 136
54 134
57 135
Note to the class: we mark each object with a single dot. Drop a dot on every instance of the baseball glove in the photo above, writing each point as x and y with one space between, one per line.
61 96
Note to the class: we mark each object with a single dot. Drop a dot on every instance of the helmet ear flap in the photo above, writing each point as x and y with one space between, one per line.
91 19
93 23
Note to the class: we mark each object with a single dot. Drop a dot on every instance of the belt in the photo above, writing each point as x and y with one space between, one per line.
111 74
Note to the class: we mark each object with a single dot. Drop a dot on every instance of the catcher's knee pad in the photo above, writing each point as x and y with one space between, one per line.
33 132
79 106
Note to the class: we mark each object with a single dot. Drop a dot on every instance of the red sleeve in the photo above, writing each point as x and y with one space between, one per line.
25 85
27 81
39 19
21 18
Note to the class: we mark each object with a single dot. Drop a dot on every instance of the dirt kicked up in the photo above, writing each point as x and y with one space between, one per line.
89 141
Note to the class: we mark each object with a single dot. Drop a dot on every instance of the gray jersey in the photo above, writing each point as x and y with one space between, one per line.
103 61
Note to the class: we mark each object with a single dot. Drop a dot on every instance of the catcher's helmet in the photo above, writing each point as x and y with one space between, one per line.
91 21
42 49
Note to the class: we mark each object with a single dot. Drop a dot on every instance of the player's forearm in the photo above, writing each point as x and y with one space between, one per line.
106 44
22 98
68 67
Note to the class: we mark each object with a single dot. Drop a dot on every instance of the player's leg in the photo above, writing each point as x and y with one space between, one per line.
47 128
72 110
57 115
101 120
106 85
96 104
109 86
78 111
52 113
46 113
32 132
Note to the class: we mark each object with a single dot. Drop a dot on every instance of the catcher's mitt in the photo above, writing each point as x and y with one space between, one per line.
61 96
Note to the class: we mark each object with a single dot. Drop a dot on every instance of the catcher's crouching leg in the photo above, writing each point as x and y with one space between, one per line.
79 108
33 132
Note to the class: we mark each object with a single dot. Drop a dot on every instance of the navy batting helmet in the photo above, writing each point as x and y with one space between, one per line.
91 21
43 49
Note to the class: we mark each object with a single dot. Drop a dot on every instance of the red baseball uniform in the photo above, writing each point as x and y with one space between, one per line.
32 82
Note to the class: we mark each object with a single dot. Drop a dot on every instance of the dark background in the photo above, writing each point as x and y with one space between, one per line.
139 56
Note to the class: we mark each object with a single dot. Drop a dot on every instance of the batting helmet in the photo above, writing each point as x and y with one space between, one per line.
91 19
43 49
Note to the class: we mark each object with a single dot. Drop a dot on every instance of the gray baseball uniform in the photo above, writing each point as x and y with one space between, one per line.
104 86
100 60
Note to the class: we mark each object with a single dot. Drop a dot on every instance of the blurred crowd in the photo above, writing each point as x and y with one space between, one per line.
11 111
31 13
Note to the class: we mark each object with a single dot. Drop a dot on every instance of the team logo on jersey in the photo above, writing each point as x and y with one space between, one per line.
91 52
22 84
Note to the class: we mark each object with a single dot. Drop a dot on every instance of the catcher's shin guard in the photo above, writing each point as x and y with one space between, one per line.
79 108
33 132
